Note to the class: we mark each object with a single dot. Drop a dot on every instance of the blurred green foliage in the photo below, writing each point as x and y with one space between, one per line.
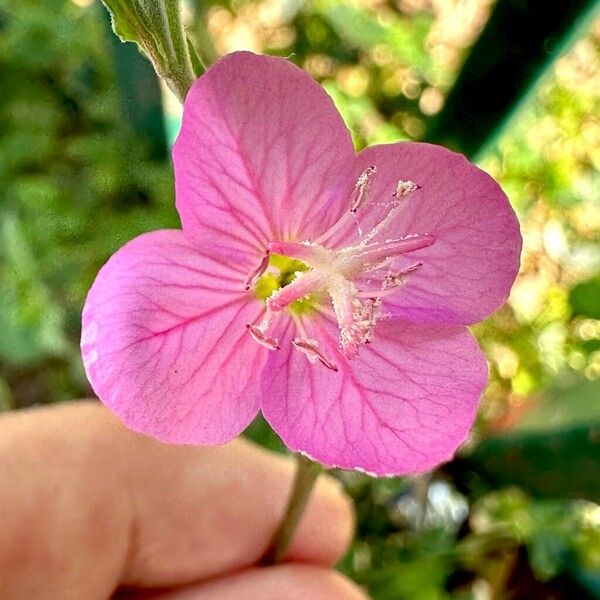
75 184
515 515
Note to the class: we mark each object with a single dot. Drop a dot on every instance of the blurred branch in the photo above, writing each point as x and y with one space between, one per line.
517 44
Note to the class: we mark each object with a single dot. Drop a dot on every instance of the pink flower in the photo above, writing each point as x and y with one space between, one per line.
328 290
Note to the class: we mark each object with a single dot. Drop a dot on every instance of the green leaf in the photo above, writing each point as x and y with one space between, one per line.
548 553
124 19
565 406
584 298
554 450
559 464
197 65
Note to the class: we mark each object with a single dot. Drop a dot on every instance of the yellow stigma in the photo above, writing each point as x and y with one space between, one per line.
281 272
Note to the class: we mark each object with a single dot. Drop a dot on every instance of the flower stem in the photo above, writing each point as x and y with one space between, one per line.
179 61
307 473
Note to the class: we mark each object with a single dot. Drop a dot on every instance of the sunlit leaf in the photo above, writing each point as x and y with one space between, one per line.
584 298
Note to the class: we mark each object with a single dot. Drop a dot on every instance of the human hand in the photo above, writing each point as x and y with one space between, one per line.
87 507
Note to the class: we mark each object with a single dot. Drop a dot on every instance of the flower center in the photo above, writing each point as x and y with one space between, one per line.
280 272
299 277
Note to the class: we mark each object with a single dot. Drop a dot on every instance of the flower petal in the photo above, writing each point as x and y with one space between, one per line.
468 272
402 406
259 156
164 341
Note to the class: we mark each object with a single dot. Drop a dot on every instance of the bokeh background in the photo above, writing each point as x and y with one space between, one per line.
84 166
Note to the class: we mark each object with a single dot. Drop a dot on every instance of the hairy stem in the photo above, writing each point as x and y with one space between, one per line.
307 473
182 64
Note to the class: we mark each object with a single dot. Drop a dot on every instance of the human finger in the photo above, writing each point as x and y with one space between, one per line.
87 505
291 581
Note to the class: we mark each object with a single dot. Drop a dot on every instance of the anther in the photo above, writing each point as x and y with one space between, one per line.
310 348
404 188
258 335
258 272
359 195
396 279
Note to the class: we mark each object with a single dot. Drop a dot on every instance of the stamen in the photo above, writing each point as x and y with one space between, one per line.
390 283
310 348
318 266
392 280
359 195
307 252
342 293
364 318
251 280
258 335
404 188
366 315
375 254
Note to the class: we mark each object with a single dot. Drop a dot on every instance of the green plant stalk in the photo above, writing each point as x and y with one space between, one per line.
172 60
180 63
156 26
306 476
